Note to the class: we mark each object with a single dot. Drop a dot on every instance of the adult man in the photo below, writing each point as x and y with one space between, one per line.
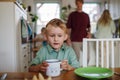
79 27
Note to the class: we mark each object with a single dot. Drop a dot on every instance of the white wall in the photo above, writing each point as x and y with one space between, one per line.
114 8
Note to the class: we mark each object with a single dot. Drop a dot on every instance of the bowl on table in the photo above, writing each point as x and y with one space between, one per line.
94 73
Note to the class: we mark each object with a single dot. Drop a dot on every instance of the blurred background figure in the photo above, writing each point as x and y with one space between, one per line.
39 40
105 26
105 29
79 27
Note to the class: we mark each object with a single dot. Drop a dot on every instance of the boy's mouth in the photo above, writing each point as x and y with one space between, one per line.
56 43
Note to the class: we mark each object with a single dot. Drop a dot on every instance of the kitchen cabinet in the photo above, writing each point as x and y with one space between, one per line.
8 0
25 57
12 51
19 1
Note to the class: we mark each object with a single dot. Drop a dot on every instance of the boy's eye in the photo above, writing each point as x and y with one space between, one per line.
56 35
59 35
52 35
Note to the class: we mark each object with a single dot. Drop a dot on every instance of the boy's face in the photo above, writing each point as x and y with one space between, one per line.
56 37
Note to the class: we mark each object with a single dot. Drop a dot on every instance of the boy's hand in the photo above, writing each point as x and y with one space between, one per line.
43 66
65 65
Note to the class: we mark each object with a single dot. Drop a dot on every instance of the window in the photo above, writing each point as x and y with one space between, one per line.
49 10
93 9
46 12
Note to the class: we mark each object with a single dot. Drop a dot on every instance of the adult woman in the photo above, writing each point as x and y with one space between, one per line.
105 26
105 29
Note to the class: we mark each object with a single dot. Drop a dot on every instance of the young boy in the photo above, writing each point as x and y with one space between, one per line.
56 33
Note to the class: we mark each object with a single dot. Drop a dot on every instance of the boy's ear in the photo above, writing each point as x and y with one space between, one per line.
66 36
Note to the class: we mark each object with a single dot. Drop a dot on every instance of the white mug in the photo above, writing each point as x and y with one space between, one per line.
53 69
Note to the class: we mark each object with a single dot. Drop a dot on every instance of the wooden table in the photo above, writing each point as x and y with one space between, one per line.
65 75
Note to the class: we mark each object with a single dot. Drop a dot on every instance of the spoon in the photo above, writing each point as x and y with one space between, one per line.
3 76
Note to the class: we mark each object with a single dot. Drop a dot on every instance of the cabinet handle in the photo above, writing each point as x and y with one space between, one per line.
24 55
28 61
25 66
24 47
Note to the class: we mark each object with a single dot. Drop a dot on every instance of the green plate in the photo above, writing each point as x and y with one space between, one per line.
94 73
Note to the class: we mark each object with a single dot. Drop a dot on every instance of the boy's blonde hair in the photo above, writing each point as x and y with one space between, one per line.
57 23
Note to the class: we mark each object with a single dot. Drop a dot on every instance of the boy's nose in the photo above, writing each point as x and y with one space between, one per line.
56 38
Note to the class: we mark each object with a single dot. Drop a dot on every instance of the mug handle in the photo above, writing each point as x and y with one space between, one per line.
60 67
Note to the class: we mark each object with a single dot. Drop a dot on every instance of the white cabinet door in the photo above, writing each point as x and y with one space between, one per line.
10 36
7 38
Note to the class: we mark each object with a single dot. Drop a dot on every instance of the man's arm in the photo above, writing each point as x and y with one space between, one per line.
68 41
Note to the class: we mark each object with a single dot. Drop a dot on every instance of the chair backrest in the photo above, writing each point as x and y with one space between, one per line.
101 52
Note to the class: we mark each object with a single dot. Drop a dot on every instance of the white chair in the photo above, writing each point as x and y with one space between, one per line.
101 52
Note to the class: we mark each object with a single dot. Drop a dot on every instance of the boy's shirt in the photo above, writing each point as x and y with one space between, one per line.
47 52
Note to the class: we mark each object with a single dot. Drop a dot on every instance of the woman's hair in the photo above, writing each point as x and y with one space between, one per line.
105 18
56 23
